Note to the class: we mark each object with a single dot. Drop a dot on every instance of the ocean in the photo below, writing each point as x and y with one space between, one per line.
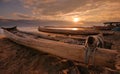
32 25
29 25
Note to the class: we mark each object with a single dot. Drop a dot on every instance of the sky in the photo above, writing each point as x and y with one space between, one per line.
65 10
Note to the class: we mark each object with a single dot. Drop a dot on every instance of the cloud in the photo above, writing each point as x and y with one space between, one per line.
1 17
23 16
108 11
87 10
5 1
53 7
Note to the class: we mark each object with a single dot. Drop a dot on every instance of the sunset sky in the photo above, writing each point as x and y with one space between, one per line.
65 10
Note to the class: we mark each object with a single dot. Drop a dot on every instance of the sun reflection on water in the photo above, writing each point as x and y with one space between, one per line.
74 28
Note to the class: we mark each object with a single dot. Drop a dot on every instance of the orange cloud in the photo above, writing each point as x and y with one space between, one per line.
23 16
87 10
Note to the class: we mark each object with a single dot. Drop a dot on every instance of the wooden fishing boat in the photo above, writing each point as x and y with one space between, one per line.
72 31
68 51
102 27
107 26
68 31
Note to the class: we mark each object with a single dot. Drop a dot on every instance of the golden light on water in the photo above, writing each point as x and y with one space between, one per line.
74 28
76 19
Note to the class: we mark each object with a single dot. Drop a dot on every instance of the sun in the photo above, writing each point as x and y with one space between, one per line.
76 19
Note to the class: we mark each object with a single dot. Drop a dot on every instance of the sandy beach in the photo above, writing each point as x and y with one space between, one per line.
59 36
16 58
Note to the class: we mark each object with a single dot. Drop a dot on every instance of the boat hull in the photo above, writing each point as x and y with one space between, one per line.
74 32
68 32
